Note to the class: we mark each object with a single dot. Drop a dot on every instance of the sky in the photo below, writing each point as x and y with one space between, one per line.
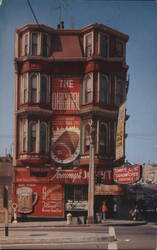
138 19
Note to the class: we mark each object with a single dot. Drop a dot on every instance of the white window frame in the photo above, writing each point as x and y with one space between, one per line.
24 44
85 44
90 76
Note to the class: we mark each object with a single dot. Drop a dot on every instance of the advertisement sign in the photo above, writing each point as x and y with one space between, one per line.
40 200
66 95
66 139
127 174
120 132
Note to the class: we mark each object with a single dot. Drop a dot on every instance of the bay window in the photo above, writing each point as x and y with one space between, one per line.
119 91
34 136
35 44
103 45
34 88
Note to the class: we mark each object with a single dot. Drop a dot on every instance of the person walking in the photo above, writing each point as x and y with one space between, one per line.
104 209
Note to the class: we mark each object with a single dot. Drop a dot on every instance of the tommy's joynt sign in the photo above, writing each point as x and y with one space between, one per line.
127 174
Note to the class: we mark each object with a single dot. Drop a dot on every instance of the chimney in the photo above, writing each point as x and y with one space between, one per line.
62 25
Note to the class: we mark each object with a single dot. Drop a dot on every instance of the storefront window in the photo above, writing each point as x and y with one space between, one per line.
76 192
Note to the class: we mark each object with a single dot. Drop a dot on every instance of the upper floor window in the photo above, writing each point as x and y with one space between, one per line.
35 43
103 138
44 89
120 91
88 44
103 45
86 137
45 45
88 89
103 89
26 44
34 136
43 137
34 88
119 50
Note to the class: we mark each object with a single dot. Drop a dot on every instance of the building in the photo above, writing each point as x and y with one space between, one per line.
6 174
67 81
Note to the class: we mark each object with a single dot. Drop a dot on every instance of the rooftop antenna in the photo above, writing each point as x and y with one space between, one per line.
62 5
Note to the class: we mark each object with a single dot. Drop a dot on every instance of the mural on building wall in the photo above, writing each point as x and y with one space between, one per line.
65 129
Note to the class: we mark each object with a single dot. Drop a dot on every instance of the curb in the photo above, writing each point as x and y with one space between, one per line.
79 239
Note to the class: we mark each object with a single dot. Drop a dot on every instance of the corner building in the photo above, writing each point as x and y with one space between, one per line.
66 80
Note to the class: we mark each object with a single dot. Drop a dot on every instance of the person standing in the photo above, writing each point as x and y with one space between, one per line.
104 210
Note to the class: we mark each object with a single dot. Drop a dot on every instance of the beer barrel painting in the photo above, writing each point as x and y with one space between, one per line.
65 146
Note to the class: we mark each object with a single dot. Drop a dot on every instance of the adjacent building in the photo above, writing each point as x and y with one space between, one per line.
67 81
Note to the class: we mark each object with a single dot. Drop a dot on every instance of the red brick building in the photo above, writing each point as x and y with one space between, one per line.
66 79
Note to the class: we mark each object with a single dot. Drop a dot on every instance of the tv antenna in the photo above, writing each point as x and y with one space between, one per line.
62 5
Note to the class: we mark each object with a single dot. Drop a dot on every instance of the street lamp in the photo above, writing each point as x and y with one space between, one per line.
90 218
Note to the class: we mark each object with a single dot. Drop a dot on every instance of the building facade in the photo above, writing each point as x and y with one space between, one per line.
67 81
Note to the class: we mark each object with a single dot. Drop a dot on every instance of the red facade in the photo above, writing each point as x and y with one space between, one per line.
65 80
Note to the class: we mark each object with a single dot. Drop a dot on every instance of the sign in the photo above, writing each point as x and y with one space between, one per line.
66 95
127 174
40 199
108 190
66 139
120 132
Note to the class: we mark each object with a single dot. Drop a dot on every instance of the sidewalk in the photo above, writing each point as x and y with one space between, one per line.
40 232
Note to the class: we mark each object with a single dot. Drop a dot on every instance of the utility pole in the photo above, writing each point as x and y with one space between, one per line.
90 218
5 205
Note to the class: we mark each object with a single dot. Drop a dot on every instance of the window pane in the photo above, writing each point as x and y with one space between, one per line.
26 44
33 131
88 42
103 89
33 88
34 43
44 45
103 45
102 139
44 90
87 138
119 48
43 138
88 89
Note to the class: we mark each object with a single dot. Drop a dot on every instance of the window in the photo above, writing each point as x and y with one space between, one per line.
45 45
34 44
119 91
103 138
88 44
88 89
33 136
76 192
23 135
119 48
103 89
26 44
38 174
43 137
33 88
44 90
86 137
24 88
103 45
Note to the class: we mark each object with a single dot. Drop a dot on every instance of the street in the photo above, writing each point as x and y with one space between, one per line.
126 237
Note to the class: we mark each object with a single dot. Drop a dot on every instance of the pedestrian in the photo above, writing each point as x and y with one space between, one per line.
115 209
104 209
